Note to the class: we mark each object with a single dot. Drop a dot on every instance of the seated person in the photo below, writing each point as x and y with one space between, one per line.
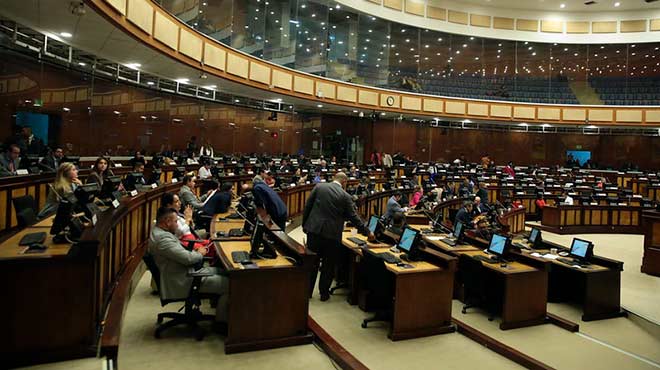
174 260
482 192
66 182
317 176
393 206
416 197
220 201
205 171
99 173
568 200
478 207
138 158
398 223
540 201
10 161
465 189
353 173
187 195
52 161
185 222
464 215
130 181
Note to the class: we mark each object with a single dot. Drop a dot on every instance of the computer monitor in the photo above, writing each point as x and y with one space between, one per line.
110 185
86 193
155 176
65 227
373 224
257 242
581 249
535 236
408 241
498 245
179 172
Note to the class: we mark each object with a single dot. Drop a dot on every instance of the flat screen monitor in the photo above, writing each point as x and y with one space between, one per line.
534 235
581 248
407 241
63 215
579 155
458 230
373 224
497 244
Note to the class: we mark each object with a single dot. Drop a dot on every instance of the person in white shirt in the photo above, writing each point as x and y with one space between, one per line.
568 200
206 150
205 171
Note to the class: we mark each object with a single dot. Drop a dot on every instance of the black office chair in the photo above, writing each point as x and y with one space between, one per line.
474 284
26 211
380 288
191 315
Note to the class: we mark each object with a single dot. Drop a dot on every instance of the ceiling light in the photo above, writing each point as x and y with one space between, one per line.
562 6
133 65
182 80
65 34
150 83
319 105
81 64
210 87
616 5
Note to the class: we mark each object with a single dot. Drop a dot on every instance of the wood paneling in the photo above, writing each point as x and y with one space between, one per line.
454 107
436 13
634 26
166 31
549 114
394 4
524 112
259 73
410 103
433 105
574 114
458 17
653 116
303 85
503 111
503 23
282 80
629 116
214 56
141 14
527 25
415 7
368 97
577 27
478 109
326 89
601 115
480 20
237 65
655 24
603 27
190 44
395 100
552 26
348 94
119 5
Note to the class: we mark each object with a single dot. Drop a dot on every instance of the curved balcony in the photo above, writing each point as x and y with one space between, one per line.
511 78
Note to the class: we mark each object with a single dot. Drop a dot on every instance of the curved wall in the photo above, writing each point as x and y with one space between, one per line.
154 26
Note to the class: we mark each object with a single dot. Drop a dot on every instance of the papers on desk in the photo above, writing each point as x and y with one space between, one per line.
546 256
435 238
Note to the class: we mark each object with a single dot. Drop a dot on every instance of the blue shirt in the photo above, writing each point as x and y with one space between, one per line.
268 199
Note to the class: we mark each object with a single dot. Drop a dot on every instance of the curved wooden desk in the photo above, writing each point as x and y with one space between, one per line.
579 219
651 226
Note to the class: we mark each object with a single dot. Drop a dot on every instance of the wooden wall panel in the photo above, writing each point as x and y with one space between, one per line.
571 114
433 105
368 97
549 114
458 17
282 80
141 14
603 27
653 116
577 27
119 5
503 23
237 65
436 13
454 107
524 112
634 116
480 20
260 73
303 85
395 100
527 25
166 31
601 115
478 109
552 26
655 25
190 44
394 4
415 7
503 111
328 90
634 26
410 103
214 56
348 94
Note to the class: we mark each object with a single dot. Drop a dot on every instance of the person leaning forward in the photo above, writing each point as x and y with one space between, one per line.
326 209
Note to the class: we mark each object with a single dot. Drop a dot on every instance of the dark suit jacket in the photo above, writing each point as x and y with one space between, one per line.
464 216
219 203
48 163
483 194
327 207
4 165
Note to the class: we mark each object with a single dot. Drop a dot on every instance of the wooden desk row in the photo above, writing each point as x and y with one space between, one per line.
651 227
59 298
578 219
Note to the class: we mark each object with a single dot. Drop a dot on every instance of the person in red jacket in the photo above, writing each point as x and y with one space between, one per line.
509 170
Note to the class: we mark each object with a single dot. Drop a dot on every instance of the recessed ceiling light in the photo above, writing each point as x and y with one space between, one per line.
616 5
182 80
319 105
150 83
562 6
65 34
133 65
81 64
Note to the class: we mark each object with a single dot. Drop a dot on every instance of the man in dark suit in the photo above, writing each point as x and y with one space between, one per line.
52 161
464 214
9 161
482 192
220 201
327 207
269 203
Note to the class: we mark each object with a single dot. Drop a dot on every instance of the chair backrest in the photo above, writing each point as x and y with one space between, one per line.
379 281
149 260
472 276
26 213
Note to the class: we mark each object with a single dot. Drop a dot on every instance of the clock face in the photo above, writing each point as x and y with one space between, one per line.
390 101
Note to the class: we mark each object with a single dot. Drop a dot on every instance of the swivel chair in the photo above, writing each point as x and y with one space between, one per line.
26 212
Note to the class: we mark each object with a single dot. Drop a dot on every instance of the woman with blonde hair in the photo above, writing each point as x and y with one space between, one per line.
66 181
